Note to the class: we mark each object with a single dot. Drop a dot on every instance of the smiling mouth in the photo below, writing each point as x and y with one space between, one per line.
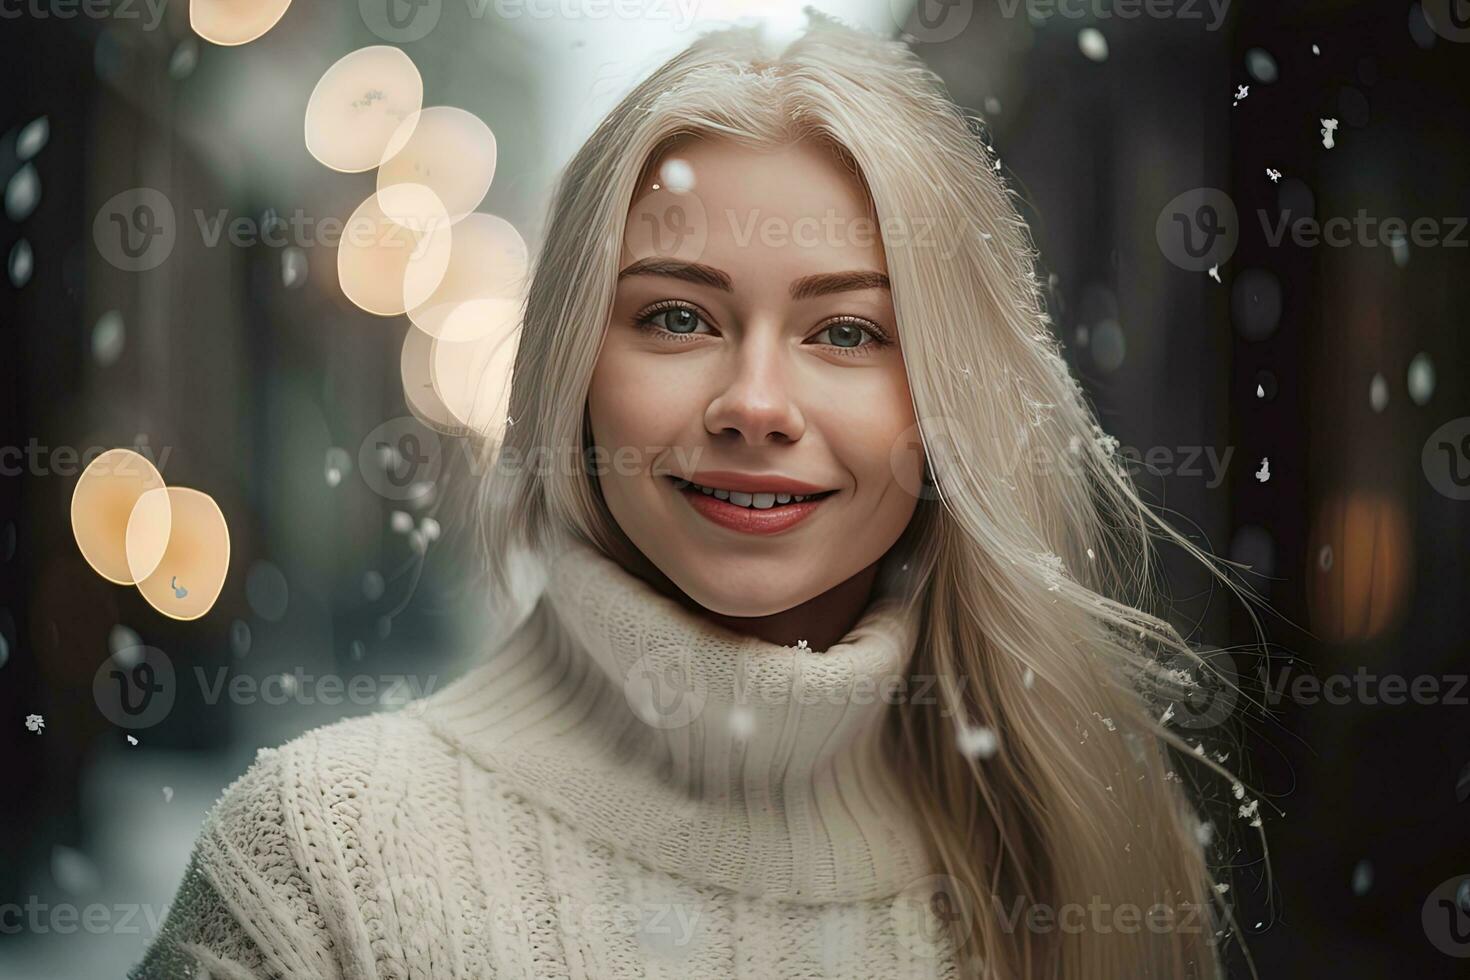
751 501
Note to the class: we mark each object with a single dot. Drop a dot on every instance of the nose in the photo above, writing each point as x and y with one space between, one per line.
757 403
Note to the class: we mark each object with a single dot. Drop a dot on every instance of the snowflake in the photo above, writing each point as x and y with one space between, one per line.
1329 126
1275 175
34 723
1052 569
1241 91
979 742
1180 676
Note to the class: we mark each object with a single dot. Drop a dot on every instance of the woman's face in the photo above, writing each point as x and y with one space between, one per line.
753 349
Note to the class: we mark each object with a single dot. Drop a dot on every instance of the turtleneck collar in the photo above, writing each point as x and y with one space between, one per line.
701 752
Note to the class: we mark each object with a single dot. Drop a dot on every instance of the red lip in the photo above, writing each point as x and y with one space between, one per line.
752 483
749 520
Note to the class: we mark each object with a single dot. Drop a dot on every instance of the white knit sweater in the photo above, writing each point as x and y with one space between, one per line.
625 790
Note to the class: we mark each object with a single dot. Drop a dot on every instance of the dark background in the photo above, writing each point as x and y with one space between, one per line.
251 383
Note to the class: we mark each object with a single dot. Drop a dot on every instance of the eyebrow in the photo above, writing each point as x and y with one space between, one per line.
803 288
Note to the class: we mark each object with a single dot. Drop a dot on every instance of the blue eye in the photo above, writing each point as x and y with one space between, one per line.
847 336
674 318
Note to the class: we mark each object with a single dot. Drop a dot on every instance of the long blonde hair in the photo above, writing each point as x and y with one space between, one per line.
1034 553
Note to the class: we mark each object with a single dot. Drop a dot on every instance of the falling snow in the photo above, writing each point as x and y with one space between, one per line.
34 723
1329 126
978 742
1052 569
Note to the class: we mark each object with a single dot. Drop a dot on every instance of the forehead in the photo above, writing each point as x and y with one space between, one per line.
798 205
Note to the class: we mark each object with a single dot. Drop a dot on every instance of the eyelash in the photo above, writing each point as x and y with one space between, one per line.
644 322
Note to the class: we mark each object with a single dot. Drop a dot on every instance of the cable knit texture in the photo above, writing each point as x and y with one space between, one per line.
625 789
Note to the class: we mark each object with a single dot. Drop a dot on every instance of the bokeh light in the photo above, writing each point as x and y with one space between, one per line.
192 570
101 504
231 22
147 533
481 290
384 264
448 150
359 104
1360 580
473 380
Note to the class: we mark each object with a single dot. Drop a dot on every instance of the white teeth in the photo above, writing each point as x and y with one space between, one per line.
759 501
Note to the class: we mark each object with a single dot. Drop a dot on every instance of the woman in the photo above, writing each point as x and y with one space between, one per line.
841 666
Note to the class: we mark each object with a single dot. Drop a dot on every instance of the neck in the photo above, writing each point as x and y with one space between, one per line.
821 621
662 728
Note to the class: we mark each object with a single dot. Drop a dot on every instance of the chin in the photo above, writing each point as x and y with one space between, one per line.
747 592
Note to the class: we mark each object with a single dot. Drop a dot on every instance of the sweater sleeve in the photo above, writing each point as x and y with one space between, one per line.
244 910
200 937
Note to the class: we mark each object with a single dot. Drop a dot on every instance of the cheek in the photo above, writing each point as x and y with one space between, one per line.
870 428
632 414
